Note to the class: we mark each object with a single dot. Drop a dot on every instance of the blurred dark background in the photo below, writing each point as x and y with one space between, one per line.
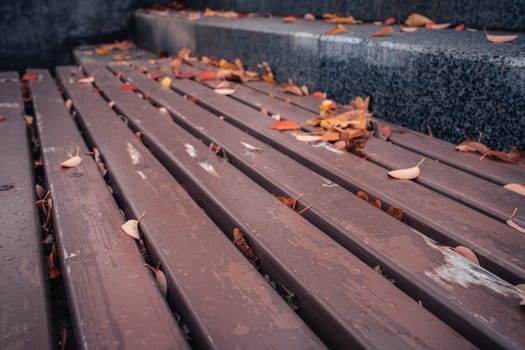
42 33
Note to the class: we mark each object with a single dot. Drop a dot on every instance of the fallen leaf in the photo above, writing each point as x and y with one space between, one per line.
398 214
264 110
267 76
290 202
342 20
242 245
408 173
69 104
292 89
308 137
289 19
160 279
165 82
386 131
516 188
86 80
376 203
435 26
417 20
319 95
224 91
467 253
498 39
471 30
501 156
30 76
206 75
513 224
331 136
389 21
408 29
128 87
224 64
382 32
156 75
338 29
309 17
52 270
472 146
363 196
131 227
2 118
459 28
73 161
284 125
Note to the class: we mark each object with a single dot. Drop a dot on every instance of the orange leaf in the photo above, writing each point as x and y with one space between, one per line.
242 245
460 27
128 87
382 32
437 26
498 39
472 146
501 155
319 95
338 29
408 29
289 19
342 20
30 76
283 125
363 196
389 21
156 75
206 75
386 131
289 202
417 20
398 214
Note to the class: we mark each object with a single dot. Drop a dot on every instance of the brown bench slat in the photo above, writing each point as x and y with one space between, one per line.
24 306
222 299
110 292
305 259
367 232
475 192
444 220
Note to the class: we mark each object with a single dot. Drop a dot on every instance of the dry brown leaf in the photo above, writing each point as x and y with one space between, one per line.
101 51
408 29
376 203
267 76
516 188
131 227
360 103
501 156
513 224
338 29
398 214
331 136
363 196
291 88
264 111
160 279
408 173
499 39
73 161
467 253
52 270
242 245
30 76
417 20
472 146
382 32
284 125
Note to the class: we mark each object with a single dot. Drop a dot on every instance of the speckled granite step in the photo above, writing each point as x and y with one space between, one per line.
456 84
503 14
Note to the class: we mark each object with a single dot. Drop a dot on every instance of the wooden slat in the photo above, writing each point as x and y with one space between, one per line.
112 297
223 300
350 221
283 240
24 306
437 216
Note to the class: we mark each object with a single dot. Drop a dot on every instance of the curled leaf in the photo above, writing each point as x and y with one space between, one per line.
267 76
224 91
160 279
86 80
408 29
472 146
309 17
499 39
308 137
382 32
338 29
73 161
406 174
165 82
289 19
513 224
460 27
435 26
242 245
207 75
467 253
131 227
516 188
284 125
417 20
398 213
319 95
389 21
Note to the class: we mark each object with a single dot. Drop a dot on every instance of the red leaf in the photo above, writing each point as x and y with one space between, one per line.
186 75
207 75
460 27
283 125
128 87
382 32
30 76
389 21
2 118
157 75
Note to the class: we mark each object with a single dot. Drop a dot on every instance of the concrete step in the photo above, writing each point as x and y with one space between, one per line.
456 84
504 14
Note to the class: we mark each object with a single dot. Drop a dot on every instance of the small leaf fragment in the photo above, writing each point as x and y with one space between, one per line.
499 39
2 118
128 87
516 188
467 253
289 19
242 245
472 146
86 80
438 26
165 82
417 20
160 279
284 125
73 161
30 76
224 91
460 27
513 224
389 21
309 17
308 137
408 29
131 227
207 75
406 174
338 29
383 32
398 213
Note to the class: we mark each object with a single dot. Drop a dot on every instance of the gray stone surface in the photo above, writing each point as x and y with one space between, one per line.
35 33
457 84
502 14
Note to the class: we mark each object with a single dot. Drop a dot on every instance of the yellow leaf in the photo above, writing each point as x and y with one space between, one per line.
406 174
417 20
166 82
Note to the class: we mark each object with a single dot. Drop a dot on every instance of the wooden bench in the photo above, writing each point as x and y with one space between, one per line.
202 166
